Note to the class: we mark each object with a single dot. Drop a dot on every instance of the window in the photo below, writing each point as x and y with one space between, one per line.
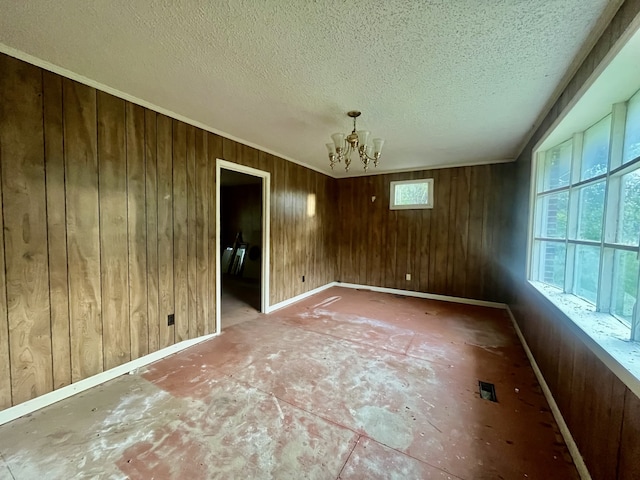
411 194
585 240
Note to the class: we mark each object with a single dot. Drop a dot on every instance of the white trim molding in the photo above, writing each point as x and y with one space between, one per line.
30 406
298 298
266 234
429 296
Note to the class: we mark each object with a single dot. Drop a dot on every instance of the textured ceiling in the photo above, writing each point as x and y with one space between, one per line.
444 82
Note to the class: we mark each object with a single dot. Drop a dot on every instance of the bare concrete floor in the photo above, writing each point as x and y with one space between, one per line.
347 384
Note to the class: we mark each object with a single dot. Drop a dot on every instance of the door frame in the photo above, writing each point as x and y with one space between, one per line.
266 242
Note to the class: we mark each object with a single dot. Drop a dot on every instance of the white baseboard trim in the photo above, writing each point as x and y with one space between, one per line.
564 430
297 298
430 296
47 399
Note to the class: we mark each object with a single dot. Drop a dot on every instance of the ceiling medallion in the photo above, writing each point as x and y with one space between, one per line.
343 146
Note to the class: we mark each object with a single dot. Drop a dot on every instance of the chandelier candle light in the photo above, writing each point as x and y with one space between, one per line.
342 148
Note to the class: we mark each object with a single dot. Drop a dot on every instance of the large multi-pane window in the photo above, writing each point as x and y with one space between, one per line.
586 222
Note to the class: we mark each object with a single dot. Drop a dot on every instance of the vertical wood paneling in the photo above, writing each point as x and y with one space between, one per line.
485 236
137 230
202 293
279 234
56 230
165 228
83 229
151 191
214 151
629 466
5 363
114 248
123 230
25 229
451 229
443 211
441 247
191 232
180 231
476 219
461 233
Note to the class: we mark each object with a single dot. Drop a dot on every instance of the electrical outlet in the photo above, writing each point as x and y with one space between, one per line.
171 319
407 276
302 278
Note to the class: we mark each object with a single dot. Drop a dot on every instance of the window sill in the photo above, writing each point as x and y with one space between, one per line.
607 337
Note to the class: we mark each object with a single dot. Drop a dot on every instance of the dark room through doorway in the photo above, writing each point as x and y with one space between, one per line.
241 246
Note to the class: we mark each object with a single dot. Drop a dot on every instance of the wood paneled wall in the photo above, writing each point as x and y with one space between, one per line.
454 249
302 222
108 226
601 412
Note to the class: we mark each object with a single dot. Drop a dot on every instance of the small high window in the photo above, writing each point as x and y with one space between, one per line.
411 194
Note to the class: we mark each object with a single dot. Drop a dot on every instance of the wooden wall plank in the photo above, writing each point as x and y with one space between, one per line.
280 275
114 249
214 151
137 230
5 362
442 211
165 228
476 219
628 465
83 229
25 229
202 293
56 229
180 231
461 233
191 233
151 192
485 236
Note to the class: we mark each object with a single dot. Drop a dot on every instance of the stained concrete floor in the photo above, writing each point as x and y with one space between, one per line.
346 385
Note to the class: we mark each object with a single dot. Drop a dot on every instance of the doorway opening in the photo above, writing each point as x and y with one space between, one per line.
242 243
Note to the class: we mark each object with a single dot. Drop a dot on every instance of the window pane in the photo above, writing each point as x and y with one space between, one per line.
587 267
552 260
556 167
629 222
625 284
412 194
595 149
590 211
632 130
552 215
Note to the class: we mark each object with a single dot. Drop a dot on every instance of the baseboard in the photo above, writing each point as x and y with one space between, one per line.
564 430
429 296
47 399
297 298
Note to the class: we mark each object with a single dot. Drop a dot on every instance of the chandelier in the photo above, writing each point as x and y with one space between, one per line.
343 146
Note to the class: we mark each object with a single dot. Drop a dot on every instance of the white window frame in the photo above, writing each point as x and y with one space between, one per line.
607 334
413 206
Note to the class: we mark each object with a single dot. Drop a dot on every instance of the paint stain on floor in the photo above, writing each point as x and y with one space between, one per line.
346 384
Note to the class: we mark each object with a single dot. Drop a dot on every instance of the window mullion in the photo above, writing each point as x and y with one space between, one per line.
611 209
616 145
572 212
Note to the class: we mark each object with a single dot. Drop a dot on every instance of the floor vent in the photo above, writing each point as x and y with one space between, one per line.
488 391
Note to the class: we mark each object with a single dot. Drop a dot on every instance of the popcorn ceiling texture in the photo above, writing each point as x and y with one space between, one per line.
444 82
